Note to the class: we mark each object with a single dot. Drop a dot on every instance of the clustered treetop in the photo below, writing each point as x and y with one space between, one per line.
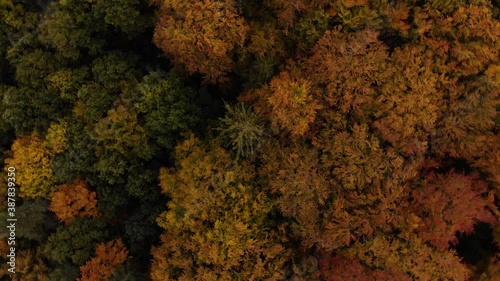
251 140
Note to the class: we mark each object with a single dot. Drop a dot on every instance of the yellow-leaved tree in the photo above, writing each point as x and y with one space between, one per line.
31 156
216 226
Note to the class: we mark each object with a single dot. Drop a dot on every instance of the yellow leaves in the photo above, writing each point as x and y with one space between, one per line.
32 156
216 219
30 265
120 130
56 137
33 173
16 16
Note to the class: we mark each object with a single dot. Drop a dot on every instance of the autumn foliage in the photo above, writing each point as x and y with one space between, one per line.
450 203
200 35
32 156
73 200
251 140
216 227
107 257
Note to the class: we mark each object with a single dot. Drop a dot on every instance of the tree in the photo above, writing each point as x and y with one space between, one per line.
29 266
107 257
291 103
346 68
242 128
310 28
114 70
169 107
71 28
407 110
75 243
33 220
338 268
127 16
216 226
73 200
341 75
77 158
32 157
43 107
412 256
345 188
200 36
451 203
120 131
67 81
16 20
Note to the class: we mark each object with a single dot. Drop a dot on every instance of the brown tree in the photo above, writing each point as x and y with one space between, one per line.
107 257
450 203
200 35
73 200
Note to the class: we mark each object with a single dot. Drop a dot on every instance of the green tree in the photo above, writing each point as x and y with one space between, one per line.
129 16
75 243
71 28
168 107
242 128
34 221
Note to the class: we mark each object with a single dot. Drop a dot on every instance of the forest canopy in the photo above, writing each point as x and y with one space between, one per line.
250 140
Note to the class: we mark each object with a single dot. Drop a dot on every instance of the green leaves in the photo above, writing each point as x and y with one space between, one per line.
75 243
242 128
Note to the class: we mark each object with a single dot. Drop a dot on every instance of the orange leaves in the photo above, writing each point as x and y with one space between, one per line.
73 200
295 176
200 35
337 268
450 203
398 18
292 105
347 66
107 257
471 30
341 75
408 106
412 256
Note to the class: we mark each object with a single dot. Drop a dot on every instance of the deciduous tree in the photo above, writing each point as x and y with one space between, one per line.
216 227
75 243
200 35
448 204
32 157
107 257
73 200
